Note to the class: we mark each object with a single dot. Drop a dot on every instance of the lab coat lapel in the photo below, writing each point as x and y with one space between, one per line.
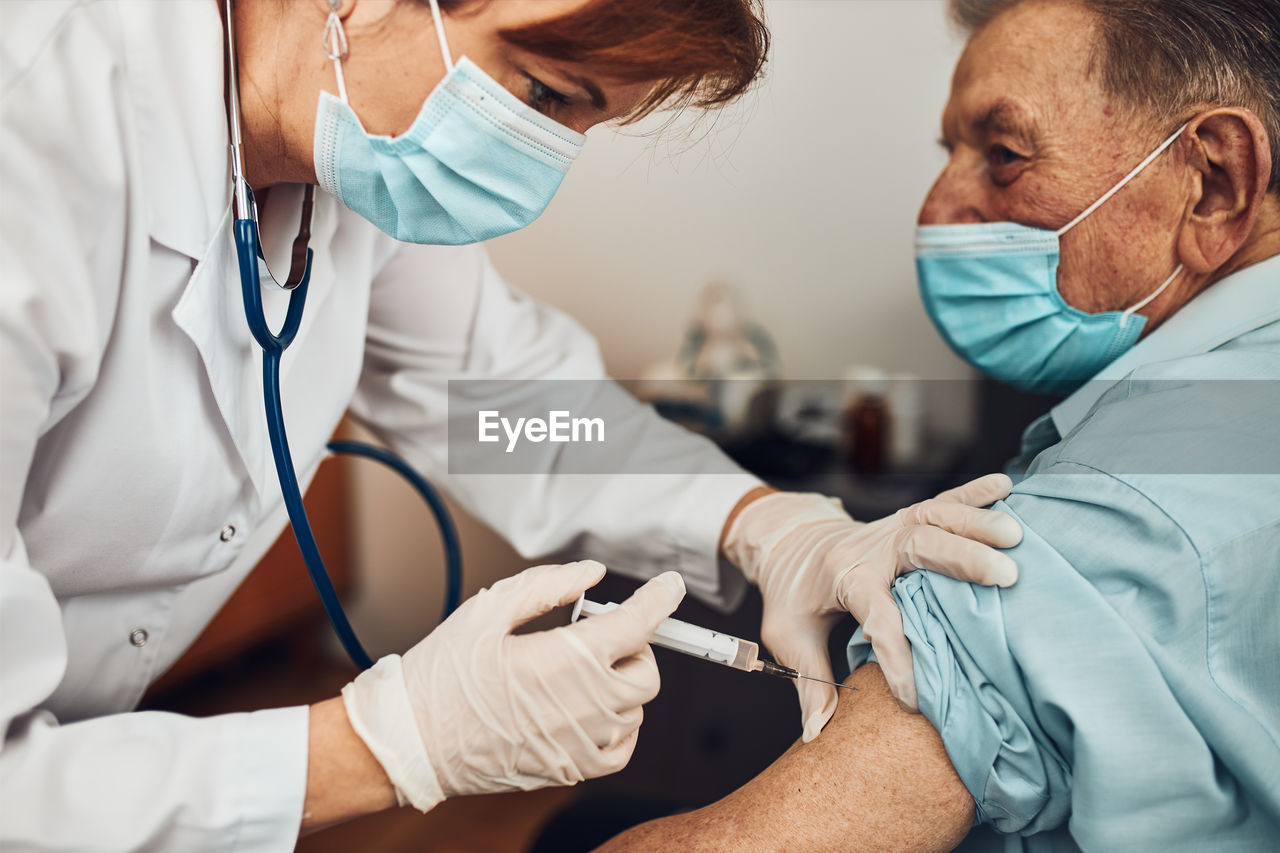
210 313
175 75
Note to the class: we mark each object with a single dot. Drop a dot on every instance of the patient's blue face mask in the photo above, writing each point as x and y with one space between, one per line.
992 291
476 163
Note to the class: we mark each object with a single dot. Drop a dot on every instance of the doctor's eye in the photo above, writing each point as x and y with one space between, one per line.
543 98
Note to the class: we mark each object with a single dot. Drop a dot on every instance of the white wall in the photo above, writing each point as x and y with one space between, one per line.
804 198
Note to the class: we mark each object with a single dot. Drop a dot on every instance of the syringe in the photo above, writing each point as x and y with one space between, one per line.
704 643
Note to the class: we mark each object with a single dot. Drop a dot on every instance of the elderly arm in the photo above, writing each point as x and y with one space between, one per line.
876 778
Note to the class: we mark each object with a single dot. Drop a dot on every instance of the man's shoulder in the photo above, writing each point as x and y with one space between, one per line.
1197 438
1214 413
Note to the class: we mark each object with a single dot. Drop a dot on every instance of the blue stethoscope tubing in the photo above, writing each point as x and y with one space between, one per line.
248 253
273 346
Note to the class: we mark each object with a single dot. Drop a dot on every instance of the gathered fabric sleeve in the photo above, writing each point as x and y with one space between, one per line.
1083 694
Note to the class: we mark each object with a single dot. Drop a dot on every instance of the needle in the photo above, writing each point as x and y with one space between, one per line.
824 681
768 667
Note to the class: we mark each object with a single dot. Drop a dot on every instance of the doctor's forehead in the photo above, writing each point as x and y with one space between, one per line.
1027 70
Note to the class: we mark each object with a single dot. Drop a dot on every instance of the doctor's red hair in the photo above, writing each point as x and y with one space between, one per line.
700 53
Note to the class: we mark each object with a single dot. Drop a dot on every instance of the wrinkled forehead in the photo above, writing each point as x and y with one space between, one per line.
1029 68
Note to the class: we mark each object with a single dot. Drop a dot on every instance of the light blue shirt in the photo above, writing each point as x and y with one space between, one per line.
1129 683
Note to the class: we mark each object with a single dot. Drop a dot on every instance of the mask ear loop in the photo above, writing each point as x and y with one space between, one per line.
1126 179
444 44
335 46
1129 312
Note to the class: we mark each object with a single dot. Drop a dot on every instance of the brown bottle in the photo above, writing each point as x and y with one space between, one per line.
867 423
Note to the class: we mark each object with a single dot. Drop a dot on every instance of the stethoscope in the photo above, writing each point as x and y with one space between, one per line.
248 254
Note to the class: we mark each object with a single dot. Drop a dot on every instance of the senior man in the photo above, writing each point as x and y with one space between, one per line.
1127 689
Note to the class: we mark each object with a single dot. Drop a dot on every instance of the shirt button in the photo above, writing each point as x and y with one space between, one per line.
228 533
138 636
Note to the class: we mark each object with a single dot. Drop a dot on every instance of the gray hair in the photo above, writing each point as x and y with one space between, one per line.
1170 56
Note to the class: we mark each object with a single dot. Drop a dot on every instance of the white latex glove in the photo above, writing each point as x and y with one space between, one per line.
475 709
811 561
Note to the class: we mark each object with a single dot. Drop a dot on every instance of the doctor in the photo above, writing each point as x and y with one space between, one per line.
136 484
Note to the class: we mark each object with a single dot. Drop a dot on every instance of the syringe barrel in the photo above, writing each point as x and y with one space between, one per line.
705 643
695 640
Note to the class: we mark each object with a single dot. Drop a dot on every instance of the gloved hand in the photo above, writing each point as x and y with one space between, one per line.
474 709
811 561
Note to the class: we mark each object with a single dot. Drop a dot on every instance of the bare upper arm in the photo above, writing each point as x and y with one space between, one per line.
876 778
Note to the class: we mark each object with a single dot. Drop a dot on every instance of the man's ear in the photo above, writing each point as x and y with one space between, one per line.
1231 159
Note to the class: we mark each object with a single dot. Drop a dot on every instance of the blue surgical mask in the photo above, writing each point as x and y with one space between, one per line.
476 163
992 291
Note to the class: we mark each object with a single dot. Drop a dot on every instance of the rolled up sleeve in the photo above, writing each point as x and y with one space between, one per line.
1082 693
971 687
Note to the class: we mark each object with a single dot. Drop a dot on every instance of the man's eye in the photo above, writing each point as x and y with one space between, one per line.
1002 156
543 98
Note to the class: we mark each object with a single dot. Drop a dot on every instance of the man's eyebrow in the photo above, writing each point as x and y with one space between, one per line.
598 99
1003 116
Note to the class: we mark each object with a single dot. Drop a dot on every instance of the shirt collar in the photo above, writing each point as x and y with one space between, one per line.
1240 303
175 75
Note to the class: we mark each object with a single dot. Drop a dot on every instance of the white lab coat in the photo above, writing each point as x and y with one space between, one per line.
136 482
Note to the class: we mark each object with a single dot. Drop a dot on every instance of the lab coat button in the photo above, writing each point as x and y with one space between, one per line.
228 533
138 636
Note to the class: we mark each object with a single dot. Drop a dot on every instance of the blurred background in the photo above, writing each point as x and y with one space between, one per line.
801 201
802 198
